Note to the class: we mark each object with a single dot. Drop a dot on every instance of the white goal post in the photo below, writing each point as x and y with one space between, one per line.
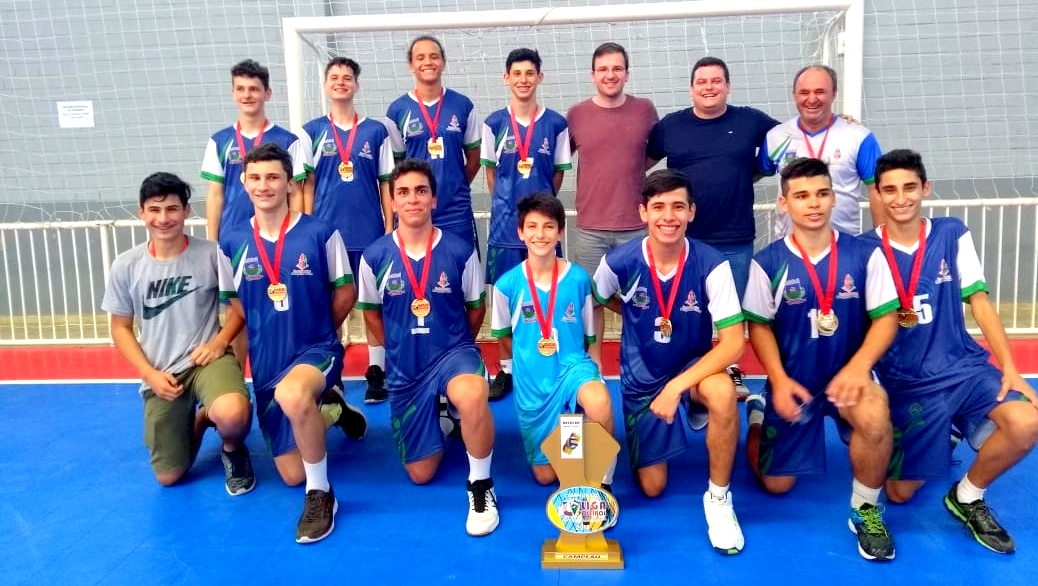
850 42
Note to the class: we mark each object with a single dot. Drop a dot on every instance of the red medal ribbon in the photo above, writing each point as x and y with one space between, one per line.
434 122
419 288
545 323
344 154
825 299
903 294
273 271
523 146
241 141
675 283
807 141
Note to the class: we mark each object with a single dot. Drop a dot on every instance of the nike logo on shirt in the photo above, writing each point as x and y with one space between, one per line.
151 312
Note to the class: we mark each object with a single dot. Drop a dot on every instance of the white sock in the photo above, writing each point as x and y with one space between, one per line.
479 468
967 492
861 494
506 365
317 474
608 477
717 492
377 356
755 416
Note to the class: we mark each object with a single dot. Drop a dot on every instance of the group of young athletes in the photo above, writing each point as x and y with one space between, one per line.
375 213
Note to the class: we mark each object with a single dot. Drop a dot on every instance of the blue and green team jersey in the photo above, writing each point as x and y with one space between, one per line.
939 351
222 163
354 207
455 285
780 294
572 327
550 151
706 298
313 265
460 130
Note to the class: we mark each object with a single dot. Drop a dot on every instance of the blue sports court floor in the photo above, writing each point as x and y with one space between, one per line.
79 505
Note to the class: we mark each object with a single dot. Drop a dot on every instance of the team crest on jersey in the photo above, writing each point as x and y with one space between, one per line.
544 150
847 291
836 155
790 156
302 267
414 127
365 151
442 285
328 148
691 303
509 144
640 298
571 314
943 275
394 285
454 125
529 314
251 269
794 292
233 155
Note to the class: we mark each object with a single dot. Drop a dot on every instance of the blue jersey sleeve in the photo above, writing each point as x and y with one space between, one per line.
868 153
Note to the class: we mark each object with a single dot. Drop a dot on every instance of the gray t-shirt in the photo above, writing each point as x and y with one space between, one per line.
175 303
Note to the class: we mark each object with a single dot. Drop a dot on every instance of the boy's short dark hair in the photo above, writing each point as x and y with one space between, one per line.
269 151
162 184
610 49
542 203
412 166
906 159
253 69
803 167
523 54
419 39
710 62
342 62
662 181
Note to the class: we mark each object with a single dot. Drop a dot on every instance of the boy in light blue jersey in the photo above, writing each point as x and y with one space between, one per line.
820 306
672 291
422 289
348 185
545 306
938 377
525 150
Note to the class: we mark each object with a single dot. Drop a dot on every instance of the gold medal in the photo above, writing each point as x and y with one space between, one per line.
435 147
421 307
907 317
346 170
525 166
547 346
827 323
277 292
242 177
666 327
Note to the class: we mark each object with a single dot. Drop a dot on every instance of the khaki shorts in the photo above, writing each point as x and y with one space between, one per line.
169 425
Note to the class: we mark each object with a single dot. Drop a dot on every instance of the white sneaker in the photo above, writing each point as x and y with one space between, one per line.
737 379
483 517
722 525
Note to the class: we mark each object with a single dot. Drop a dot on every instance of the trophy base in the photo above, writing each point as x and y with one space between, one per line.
610 558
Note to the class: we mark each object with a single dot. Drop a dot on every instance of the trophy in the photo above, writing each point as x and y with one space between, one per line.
581 452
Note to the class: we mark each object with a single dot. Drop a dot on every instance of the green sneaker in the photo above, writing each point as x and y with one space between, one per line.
981 522
874 541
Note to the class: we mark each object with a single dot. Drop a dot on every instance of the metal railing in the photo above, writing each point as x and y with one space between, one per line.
54 273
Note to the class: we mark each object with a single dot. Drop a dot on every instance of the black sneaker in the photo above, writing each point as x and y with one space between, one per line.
450 425
318 518
874 541
736 375
237 469
981 522
501 386
376 392
351 420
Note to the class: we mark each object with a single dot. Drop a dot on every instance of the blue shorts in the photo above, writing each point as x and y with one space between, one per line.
649 439
535 425
465 231
354 256
501 259
792 449
923 423
415 410
276 428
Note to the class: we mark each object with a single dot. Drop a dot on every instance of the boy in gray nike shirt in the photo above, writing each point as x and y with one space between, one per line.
170 285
